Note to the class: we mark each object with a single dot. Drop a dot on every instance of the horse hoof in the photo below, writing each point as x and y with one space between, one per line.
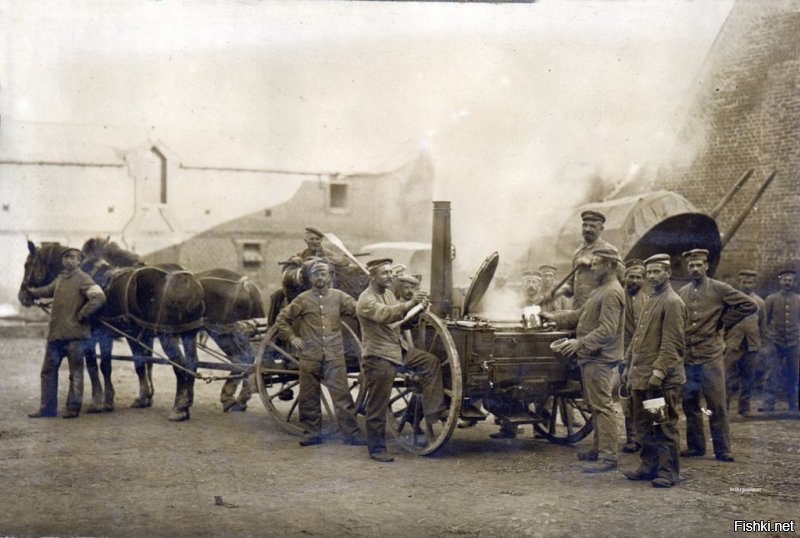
178 416
140 403
93 409
108 408
226 406
239 407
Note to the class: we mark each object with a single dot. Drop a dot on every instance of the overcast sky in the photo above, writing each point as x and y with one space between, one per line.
517 105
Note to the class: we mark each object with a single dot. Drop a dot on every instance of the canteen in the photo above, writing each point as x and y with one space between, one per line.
656 410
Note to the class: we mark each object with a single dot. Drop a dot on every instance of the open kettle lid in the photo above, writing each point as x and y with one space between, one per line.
479 285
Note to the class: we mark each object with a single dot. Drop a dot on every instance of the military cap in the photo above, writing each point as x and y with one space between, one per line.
608 254
374 264
398 269
547 267
313 230
787 272
408 279
530 273
634 265
590 214
663 259
70 250
747 272
696 253
318 265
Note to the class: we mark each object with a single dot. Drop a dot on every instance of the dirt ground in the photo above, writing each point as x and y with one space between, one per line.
133 473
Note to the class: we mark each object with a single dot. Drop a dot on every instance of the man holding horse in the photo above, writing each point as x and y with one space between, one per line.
312 324
75 298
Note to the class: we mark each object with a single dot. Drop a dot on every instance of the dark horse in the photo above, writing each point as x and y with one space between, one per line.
142 303
228 296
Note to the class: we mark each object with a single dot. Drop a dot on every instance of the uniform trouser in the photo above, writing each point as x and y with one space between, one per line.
706 380
598 382
380 374
740 372
627 411
660 443
333 374
783 373
55 352
236 346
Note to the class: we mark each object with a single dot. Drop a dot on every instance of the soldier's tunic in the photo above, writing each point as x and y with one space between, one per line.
383 350
634 305
599 331
316 318
75 298
711 305
742 345
582 283
658 344
783 331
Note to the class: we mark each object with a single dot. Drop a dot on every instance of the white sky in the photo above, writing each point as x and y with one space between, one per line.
513 102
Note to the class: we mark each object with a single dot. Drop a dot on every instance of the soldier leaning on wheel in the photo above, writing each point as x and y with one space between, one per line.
599 326
75 298
317 316
653 369
384 351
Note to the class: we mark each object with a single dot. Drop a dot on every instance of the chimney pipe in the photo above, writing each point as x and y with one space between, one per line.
441 261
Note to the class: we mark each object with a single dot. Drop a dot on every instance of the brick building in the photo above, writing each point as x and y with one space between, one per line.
745 114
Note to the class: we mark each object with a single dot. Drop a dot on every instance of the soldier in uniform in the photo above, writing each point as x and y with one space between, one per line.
783 330
75 298
654 368
599 325
635 299
549 280
742 345
582 283
711 305
316 314
405 287
531 288
384 351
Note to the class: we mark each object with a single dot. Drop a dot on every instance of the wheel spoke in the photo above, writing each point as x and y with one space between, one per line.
284 388
400 394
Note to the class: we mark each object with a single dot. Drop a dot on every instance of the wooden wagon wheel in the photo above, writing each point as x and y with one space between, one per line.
278 382
568 418
405 417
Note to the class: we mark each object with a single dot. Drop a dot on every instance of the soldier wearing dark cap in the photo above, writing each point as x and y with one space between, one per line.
75 298
599 325
635 299
558 301
384 351
712 305
783 331
312 324
654 368
583 283
742 345
315 249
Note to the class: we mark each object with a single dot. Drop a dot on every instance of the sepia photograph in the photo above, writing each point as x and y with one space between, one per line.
399 268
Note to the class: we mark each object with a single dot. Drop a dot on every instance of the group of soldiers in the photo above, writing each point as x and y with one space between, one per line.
694 347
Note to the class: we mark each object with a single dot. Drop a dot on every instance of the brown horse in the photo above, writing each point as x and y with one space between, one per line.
228 296
164 301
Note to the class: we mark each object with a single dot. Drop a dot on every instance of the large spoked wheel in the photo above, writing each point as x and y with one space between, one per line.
278 381
567 416
405 416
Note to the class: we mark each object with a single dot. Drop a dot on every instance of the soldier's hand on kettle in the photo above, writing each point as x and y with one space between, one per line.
298 343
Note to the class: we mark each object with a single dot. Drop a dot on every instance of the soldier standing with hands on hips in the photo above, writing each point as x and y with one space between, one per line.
654 368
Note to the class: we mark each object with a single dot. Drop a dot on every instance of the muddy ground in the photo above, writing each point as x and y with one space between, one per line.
133 473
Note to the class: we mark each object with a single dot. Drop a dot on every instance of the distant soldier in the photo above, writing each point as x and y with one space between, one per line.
742 345
549 280
75 298
531 288
712 305
783 330
635 299
405 288
599 326
582 283
654 368
316 316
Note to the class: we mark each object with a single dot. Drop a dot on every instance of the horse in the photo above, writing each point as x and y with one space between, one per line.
142 302
231 297
228 296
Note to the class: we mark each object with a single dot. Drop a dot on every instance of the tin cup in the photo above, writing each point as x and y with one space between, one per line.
556 345
656 410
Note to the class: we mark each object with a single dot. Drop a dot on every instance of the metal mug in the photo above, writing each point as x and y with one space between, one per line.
656 410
